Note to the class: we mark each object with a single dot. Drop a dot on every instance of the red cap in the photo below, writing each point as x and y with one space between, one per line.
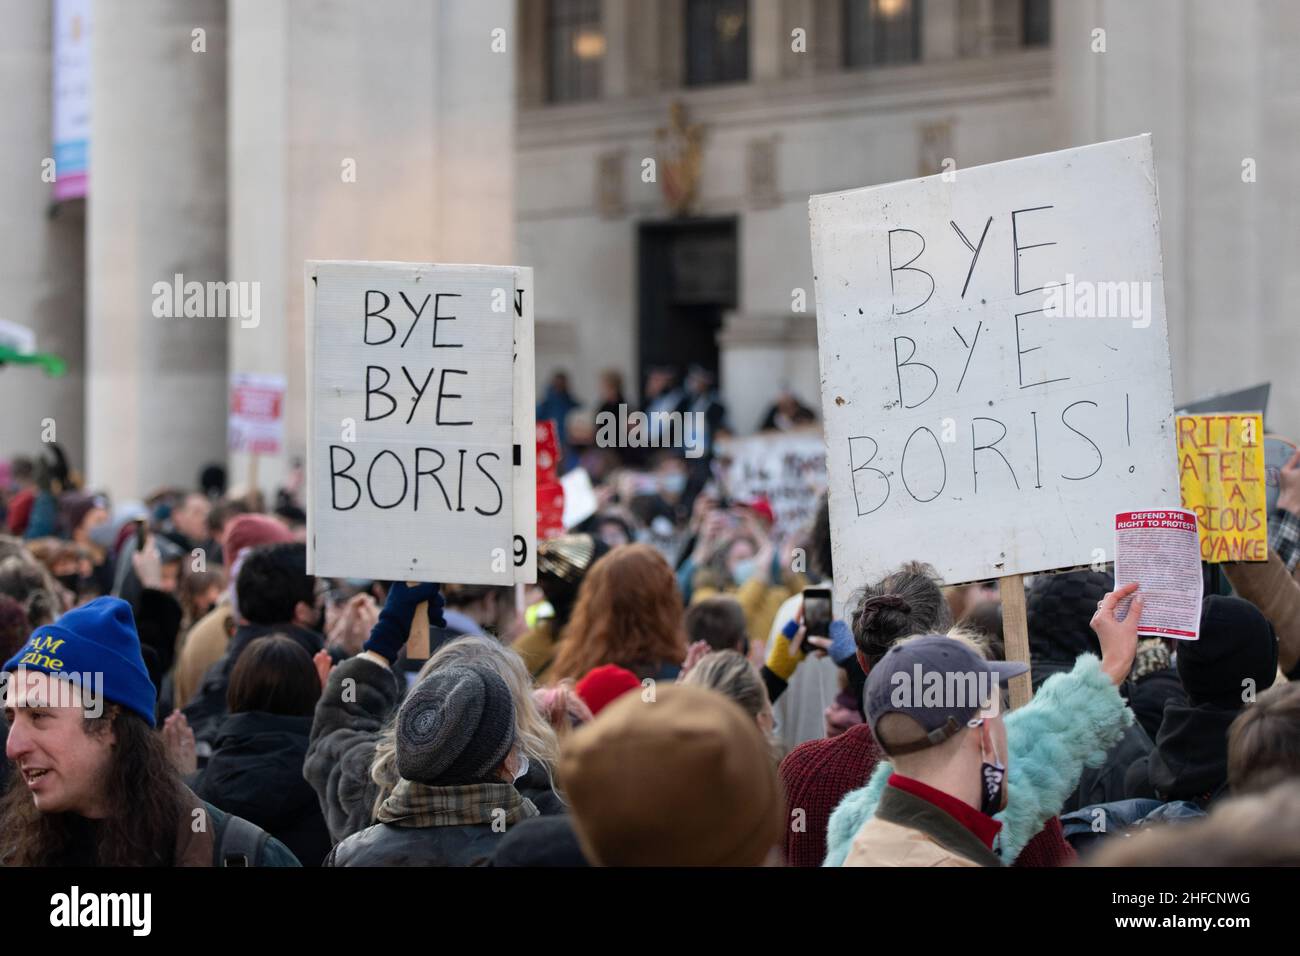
762 507
601 686
249 531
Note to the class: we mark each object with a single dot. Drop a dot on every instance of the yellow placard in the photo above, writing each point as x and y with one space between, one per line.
1221 474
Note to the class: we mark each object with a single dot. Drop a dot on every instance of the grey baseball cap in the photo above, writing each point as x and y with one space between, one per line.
939 682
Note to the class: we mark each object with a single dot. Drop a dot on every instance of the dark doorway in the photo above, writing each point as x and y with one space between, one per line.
687 277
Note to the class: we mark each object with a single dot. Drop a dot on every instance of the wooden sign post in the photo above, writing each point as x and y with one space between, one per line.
1015 635
251 498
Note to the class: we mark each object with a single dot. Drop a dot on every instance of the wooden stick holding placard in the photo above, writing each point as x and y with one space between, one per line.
1015 635
251 498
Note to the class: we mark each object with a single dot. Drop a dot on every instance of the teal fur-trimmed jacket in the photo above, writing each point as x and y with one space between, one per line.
1073 720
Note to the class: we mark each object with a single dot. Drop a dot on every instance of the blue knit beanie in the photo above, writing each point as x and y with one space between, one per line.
97 638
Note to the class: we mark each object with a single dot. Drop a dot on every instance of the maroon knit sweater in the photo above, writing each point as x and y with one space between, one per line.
818 774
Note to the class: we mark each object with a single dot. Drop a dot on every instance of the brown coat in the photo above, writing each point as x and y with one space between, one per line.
196 836
908 831
194 832
1269 587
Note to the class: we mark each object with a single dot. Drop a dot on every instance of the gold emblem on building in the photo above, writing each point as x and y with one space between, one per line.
680 152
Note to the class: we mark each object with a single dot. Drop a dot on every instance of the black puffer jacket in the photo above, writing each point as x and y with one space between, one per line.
1059 609
207 710
255 772
1190 760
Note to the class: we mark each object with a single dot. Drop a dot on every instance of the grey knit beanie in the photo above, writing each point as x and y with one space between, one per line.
455 727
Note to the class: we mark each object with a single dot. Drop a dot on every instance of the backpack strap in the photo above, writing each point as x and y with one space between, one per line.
240 843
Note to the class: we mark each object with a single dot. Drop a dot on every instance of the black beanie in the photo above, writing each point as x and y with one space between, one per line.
1237 642
1059 609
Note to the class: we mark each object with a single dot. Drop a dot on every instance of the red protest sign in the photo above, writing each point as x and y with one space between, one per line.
550 494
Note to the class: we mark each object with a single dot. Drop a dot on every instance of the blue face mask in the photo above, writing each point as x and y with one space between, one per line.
744 569
673 484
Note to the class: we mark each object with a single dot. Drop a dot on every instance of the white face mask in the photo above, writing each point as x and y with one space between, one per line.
523 767
234 576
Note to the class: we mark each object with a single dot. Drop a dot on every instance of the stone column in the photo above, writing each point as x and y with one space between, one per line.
1136 86
614 22
940 30
381 131
156 386
765 43
42 249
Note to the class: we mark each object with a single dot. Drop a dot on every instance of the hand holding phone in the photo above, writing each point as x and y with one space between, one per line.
817 611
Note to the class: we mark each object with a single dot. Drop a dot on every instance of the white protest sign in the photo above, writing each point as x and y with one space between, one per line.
994 363
256 420
579 497
786 468
410 429
524 544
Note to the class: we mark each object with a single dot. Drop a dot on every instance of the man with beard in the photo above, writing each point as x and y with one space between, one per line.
94 785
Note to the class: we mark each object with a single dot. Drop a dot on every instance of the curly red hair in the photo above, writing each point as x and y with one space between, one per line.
629 612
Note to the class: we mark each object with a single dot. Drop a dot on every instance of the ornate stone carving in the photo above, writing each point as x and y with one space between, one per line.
681 150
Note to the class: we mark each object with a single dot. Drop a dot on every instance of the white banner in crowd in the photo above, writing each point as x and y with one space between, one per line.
70 97
994 363
255 421
786 468
412 421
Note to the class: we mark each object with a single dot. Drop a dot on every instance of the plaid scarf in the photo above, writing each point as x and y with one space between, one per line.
414 804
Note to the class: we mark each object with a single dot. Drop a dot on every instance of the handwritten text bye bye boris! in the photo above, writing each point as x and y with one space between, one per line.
432 474
1048 444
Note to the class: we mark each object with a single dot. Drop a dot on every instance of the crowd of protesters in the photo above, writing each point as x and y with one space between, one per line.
180 691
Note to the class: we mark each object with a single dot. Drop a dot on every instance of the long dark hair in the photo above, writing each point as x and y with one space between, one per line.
144 797
276 676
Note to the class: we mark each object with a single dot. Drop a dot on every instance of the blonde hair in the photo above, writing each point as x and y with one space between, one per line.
969 636
733 676
535 737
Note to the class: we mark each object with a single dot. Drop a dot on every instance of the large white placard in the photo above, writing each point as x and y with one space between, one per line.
411 432
524 549
786 468
994 363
